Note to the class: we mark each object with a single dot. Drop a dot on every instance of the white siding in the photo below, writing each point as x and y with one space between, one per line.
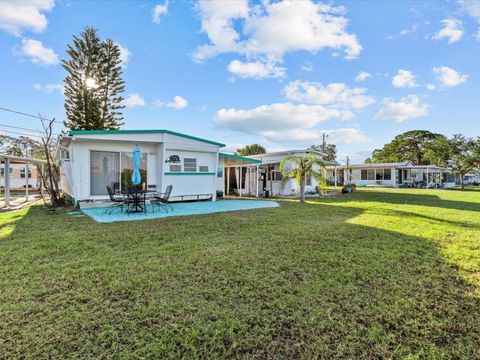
157 170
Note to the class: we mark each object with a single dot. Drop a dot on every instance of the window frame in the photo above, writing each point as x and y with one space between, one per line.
389 174
172 168
190 167
363 174
23 173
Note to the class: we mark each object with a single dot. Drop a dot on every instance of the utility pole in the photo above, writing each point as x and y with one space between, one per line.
324 142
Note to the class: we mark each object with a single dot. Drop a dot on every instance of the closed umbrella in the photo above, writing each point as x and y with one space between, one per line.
136 177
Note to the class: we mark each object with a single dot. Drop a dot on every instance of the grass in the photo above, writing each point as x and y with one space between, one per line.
374 274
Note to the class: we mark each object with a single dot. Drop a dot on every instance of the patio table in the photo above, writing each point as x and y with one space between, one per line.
135 200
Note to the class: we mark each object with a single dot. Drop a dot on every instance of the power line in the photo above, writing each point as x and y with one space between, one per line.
20 133
30 115
27 129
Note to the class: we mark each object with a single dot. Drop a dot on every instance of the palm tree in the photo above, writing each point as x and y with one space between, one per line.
299 167
253 149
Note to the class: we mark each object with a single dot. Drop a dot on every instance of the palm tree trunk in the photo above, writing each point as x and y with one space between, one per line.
302 190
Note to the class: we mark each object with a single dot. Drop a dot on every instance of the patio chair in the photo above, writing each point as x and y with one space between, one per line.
162 199
117 201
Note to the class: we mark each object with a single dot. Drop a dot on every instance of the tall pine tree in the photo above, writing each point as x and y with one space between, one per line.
94 84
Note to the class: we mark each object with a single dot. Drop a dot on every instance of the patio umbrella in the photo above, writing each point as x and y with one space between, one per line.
136 177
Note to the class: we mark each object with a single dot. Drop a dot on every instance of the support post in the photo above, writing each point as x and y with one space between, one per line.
270 177
335 176
256 182
214 194
26 182
7 182
240 181
228 180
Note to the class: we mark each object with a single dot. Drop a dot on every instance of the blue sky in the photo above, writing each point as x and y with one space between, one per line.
275 73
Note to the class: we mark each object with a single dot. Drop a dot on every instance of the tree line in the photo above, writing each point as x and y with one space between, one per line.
459 153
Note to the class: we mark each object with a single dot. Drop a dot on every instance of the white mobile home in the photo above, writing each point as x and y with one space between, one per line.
401 174
19 178
91 160
260 174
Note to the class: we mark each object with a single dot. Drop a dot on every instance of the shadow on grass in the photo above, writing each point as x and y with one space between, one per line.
467 188
405 198
295 281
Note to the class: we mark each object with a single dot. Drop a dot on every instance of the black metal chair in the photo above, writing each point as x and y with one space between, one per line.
162 199
117 201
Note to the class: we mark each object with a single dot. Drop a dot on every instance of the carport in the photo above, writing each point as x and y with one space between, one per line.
7 160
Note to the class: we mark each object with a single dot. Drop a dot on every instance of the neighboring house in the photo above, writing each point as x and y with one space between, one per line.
264 175
18 177
402 174
473 177
92 160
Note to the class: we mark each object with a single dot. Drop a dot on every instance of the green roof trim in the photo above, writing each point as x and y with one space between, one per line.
188 173
238 157
160 131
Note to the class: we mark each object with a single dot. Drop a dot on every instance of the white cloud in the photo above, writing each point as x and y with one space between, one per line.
403 109
124 55
404 32
287 123
274 117
431 86
178 103
158 11
299 25
49 88
336 95
217 18
452 31
296 121
268 31
133 100
471 7
404 78
16 16
362 76
448 76
256 69
38 53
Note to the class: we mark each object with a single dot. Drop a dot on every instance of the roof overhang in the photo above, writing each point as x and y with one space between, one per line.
240 159
153 131
19 159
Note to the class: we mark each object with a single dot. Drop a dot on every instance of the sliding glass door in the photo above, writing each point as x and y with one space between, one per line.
104 171
108 168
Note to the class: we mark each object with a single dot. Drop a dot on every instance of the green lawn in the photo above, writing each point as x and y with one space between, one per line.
374 274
